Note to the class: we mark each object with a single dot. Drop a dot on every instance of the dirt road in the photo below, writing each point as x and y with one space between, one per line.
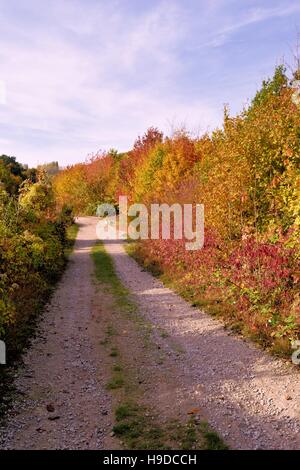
251 399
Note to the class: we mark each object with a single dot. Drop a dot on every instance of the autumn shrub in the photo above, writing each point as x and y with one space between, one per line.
247 175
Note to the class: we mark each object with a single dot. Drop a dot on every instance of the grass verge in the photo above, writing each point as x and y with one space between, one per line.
72 233
216 307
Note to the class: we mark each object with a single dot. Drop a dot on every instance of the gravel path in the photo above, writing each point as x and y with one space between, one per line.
64 403
249 397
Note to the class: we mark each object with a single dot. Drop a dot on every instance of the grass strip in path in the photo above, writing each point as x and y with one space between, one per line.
135 372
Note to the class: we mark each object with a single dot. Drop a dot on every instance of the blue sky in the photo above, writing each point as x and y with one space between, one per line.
83 75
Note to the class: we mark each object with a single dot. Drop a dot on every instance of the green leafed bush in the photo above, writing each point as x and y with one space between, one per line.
32 256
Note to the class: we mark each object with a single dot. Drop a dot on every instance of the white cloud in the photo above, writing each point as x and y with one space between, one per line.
2 92
252 16
83 75
102 86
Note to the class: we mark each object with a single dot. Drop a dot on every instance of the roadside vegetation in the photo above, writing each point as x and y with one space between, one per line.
33 244
247 175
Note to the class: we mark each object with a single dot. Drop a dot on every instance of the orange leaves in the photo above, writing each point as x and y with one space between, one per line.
247 175
85 185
